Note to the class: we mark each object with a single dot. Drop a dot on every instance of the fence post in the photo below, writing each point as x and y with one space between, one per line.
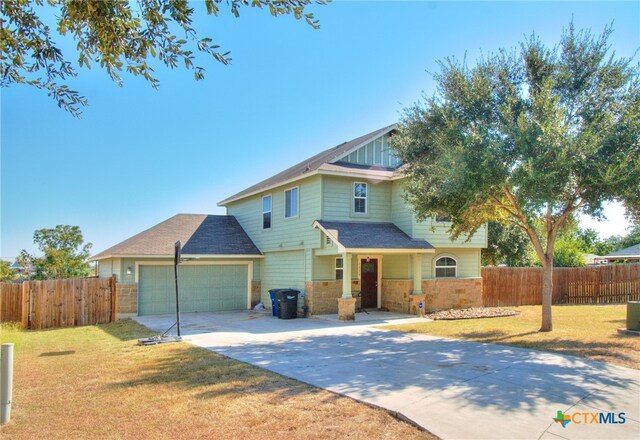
24 304
114 298
6 382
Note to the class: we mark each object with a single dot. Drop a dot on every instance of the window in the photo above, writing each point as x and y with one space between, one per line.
291 203
360 198
266 212
339 269
442 218
446 267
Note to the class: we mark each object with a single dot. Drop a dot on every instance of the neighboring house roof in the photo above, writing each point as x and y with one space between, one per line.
370 235
630 252
591 258
327 160
200 234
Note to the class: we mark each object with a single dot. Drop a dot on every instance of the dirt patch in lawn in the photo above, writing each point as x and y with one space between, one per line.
471 313
94 382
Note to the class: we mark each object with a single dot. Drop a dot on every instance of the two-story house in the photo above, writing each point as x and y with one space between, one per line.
335 227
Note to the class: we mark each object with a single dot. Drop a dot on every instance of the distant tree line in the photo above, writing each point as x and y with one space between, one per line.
64 255
509 245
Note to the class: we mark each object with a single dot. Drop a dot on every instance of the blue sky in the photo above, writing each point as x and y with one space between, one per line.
138 156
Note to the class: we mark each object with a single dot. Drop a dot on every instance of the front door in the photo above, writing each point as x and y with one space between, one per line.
369 284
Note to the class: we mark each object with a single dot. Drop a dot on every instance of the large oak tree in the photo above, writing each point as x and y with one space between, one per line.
527 137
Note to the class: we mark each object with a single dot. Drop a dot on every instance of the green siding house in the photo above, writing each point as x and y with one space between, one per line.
335 227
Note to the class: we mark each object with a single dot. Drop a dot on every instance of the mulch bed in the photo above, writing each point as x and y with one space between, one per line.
472 313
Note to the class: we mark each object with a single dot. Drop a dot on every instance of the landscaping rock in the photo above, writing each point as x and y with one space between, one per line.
472 313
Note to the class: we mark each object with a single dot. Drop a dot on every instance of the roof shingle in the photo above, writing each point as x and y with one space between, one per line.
308 165
373 235
200 234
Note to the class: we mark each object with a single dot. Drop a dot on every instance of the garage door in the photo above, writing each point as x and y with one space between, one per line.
202 289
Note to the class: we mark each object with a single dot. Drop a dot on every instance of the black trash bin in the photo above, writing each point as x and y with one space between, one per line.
287 300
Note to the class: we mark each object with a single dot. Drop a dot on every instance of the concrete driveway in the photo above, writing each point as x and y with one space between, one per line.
454 389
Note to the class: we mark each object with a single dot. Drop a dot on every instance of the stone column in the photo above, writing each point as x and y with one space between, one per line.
346 303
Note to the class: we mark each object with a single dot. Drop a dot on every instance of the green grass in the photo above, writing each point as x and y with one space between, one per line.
585 331
95 382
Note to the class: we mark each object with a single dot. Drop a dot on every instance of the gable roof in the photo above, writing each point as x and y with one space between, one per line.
630 252
313 164
200 234
371 235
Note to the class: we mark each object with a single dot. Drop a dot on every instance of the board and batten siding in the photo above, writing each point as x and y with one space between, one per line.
285 234
376 152
282 270
338 200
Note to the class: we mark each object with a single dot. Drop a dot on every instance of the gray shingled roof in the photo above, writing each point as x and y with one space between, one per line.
309 165
631 251
199 233
373 235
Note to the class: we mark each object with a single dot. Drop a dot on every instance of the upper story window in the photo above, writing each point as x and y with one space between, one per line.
446 267
339 268
360 198
291 202
266 212
442 218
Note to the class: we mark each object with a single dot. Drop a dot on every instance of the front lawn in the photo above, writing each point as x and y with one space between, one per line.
586 331
94 382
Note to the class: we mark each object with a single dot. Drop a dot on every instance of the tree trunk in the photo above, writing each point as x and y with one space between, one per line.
547 293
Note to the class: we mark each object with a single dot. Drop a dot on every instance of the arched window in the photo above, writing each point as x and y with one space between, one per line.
446 267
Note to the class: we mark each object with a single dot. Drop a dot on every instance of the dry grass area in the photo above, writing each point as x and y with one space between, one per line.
585 331
94 382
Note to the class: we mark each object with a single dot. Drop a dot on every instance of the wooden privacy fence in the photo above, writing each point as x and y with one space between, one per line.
519 286
59 303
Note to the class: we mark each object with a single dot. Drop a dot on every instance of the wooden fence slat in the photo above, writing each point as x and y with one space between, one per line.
606 284
58 303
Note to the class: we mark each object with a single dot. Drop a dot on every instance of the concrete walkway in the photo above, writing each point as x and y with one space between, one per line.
454 389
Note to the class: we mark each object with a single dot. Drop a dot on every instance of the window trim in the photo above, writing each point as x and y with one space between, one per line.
365 198
436 267
297 202
336 268
269 211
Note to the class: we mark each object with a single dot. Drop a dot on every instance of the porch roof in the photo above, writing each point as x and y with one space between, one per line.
361 236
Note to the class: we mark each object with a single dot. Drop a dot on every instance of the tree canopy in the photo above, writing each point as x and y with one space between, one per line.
64 253
117 35
527 137
6 271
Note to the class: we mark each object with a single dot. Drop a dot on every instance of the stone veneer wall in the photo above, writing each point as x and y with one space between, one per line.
127 297
322 296
396 295
452 293
255 293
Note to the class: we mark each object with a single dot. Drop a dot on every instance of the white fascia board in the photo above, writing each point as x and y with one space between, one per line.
317 225
362 174
104 257
267 188
362 144
389 251
220 256
171 256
